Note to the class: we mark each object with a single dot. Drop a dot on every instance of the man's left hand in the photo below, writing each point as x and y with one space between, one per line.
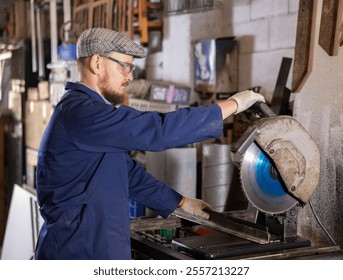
194 207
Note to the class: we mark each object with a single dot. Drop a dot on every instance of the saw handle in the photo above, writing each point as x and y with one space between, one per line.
261 109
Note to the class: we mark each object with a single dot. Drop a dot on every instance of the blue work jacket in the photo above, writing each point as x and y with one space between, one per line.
85 176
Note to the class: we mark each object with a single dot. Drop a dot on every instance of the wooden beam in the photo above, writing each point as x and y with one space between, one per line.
143 21
302 44
330 25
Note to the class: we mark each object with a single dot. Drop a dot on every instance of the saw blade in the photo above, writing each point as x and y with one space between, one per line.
262 184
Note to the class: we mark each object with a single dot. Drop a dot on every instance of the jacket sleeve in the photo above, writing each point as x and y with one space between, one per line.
146 189
102 127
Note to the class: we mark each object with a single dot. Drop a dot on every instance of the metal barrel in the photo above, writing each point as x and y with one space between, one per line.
217 174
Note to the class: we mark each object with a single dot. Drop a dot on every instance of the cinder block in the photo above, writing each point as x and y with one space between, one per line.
293 6
279 7
261 9
262 69
252 36
268 8
283 31
236 11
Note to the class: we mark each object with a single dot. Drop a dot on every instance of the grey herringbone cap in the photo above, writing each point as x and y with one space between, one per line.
102 41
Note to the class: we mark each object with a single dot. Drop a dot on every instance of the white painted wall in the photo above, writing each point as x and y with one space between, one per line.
264 29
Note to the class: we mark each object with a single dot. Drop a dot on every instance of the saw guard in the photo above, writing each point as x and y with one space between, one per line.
293 152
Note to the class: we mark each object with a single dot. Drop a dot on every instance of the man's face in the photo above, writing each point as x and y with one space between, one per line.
115 77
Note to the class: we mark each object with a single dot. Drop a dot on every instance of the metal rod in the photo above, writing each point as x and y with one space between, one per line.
41 67
66 17
53 31
246 230
33 36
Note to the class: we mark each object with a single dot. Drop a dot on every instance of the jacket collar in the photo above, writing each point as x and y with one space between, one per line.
78 86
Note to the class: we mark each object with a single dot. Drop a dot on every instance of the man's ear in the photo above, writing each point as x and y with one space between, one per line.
94 64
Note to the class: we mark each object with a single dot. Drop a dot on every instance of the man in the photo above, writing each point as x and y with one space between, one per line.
85 176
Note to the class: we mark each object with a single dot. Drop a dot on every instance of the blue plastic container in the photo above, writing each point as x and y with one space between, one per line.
136 209
67 52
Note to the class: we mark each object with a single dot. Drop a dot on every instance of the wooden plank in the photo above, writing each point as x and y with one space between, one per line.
330 25
143 21
109 23
302 44
99 13
94 13
90 13
122 15
130 17
81 15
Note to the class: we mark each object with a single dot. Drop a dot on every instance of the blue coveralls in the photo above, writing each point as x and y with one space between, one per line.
85 175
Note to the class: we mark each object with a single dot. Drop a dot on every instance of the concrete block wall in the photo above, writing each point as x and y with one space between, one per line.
265 30
177 51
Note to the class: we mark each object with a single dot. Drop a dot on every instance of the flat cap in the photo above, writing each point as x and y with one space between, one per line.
102 41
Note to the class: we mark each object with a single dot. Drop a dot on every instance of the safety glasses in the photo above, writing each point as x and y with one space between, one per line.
123 67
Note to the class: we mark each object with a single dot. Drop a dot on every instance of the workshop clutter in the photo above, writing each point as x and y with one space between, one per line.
128 17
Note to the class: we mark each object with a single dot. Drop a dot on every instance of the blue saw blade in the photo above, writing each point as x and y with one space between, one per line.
262 184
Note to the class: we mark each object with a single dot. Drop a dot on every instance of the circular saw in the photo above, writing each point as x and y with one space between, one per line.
262 183
278 160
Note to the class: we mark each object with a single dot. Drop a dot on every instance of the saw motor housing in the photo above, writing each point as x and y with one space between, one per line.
293 156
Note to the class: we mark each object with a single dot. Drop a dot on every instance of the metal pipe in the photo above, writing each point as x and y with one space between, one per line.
33 36
66 17
53 31
41 67
217 175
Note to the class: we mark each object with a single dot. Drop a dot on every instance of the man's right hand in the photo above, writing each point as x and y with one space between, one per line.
245 99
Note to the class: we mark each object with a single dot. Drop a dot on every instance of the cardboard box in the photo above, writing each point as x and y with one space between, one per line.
37 116
32 94
43 90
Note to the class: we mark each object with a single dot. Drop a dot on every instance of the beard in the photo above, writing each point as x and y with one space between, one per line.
112 96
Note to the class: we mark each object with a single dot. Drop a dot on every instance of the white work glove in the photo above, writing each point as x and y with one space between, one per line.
245 99
194 207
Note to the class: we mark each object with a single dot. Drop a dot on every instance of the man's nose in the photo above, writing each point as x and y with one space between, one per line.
130 76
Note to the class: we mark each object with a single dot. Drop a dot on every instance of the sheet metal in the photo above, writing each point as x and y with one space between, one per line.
246 230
